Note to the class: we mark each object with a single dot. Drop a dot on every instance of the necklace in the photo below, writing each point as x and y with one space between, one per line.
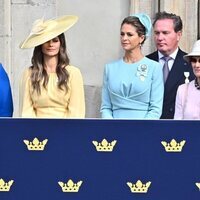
196 84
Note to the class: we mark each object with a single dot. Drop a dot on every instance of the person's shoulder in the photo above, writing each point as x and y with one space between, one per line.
27 72
152 55
1 67
72 69
151 62
183 86
186 65
2 70
114 63
181 52
3 73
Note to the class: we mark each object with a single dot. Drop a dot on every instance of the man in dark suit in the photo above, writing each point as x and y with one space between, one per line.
167 33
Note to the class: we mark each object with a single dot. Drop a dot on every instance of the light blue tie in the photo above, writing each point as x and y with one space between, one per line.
166 67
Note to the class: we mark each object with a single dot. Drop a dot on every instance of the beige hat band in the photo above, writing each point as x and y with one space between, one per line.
41 27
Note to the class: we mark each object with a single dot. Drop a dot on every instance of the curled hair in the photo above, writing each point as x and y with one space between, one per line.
135 22
39 74
178 25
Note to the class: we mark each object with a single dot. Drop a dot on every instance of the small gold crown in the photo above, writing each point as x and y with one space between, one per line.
139 187
36 145
173 146
5 187
198 185
104 146
70 186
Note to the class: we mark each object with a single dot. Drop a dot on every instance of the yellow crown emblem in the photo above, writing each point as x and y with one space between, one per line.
198 185
5 187
104 145
35 145
70 186
139 187
173 146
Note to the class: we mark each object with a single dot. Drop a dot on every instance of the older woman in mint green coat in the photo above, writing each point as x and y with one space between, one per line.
133 86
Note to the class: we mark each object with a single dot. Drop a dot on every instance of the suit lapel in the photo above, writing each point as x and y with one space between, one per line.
176 72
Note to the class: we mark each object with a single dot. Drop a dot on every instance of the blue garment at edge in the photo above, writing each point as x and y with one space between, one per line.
6 102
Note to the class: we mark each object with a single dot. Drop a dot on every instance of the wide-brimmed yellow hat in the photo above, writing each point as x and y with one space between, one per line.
45 30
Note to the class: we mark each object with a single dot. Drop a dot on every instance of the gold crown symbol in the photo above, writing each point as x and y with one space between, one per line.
5 187
35 145
70 186
198 185
139 187
173 146
104 145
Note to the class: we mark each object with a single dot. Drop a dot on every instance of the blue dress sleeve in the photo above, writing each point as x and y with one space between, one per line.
106 105
156 94
6 102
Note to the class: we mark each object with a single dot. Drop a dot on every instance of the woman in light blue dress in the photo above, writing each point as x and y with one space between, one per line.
133 86
6 103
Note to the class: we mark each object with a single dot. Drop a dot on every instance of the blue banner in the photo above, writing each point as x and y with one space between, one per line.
55 159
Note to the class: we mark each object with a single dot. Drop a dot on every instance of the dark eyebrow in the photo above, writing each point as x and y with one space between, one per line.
128 33
165 32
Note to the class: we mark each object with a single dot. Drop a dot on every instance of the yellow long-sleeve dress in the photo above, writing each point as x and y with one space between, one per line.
53 102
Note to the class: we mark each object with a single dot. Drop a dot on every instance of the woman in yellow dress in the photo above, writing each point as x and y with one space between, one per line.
51 87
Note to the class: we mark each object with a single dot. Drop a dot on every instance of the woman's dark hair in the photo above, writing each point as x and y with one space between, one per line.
39 74
135 22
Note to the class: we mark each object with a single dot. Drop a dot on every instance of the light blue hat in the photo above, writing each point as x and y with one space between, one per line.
146 21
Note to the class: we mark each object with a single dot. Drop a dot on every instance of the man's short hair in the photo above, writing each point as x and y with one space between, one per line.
178 25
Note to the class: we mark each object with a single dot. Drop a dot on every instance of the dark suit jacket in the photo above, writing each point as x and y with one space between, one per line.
175 78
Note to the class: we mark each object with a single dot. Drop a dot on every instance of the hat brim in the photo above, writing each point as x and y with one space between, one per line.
55 28
188 56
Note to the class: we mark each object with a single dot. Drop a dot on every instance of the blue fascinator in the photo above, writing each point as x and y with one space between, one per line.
146 21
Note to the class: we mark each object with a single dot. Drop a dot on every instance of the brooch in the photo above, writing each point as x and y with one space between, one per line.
142 71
